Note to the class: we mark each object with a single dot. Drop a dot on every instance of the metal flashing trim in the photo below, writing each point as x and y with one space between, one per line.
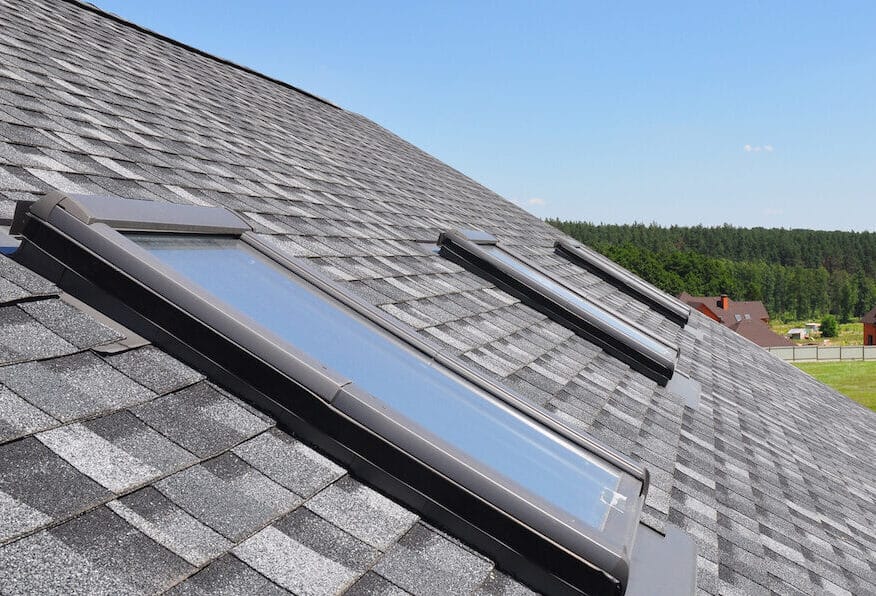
21 209
688 389
479 237
77 249
139 215
663 564
612 273
613 333
129 340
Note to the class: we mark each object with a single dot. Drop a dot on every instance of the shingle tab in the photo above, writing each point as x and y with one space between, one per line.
96 553
227 576
22 338
201 419
73 386
69 323
27 280
38 487
156 516
307 555
289 462
229 496
425 562
19 418
362 512
154 369
118 451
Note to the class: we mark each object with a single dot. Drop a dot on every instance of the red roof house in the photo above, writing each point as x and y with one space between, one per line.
749 319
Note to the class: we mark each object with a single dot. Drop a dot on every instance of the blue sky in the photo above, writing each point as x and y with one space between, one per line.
748 113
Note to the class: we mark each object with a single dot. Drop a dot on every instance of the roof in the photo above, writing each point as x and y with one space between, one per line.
760 333
870 316
112 460
753 309
747 318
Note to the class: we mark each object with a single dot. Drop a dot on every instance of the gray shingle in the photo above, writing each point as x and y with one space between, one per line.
118 451
289 462
362 512
96 553
69 323
156 516
307 555
792 471
372 584
424 562
19 418
25 279
73 386
37 487
22 338
227 576
154 369
201 419
228 495
499 584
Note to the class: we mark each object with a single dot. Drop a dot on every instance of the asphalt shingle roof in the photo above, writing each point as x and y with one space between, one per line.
105 460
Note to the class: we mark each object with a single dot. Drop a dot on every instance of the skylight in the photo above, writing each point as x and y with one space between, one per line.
621 278
503 444
615 334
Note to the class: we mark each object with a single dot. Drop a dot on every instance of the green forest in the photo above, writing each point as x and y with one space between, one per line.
798 274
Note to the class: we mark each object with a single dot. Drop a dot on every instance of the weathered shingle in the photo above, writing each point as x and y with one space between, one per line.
228 495
201 419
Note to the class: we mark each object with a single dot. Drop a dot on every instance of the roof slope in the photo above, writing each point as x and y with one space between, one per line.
757 331
777 488
754 309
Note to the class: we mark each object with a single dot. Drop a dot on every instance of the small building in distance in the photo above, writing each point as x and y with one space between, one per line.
749 319
797 333
869 321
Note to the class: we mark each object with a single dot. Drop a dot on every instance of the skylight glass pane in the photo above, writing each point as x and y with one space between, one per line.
606 317
512 449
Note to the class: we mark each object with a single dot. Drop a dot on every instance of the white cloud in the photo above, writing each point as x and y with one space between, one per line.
758 148
536 201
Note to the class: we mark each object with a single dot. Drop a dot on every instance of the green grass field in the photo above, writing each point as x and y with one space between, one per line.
850 334
856 379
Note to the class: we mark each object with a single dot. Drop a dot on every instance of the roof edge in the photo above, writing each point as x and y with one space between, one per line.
114 17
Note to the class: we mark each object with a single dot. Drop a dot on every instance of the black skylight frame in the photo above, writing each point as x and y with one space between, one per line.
608 271
75 241
472 251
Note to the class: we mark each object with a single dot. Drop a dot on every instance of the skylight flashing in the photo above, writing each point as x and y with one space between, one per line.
74 240
616 335
606 269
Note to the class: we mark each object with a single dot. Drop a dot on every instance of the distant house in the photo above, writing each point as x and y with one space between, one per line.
749 319
869 321
797 333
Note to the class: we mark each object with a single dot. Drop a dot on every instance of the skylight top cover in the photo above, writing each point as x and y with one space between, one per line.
514 451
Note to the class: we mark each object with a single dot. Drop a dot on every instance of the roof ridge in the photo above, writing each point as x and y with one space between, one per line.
114 17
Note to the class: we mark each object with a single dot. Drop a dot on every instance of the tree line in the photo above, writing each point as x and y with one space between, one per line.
797 274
